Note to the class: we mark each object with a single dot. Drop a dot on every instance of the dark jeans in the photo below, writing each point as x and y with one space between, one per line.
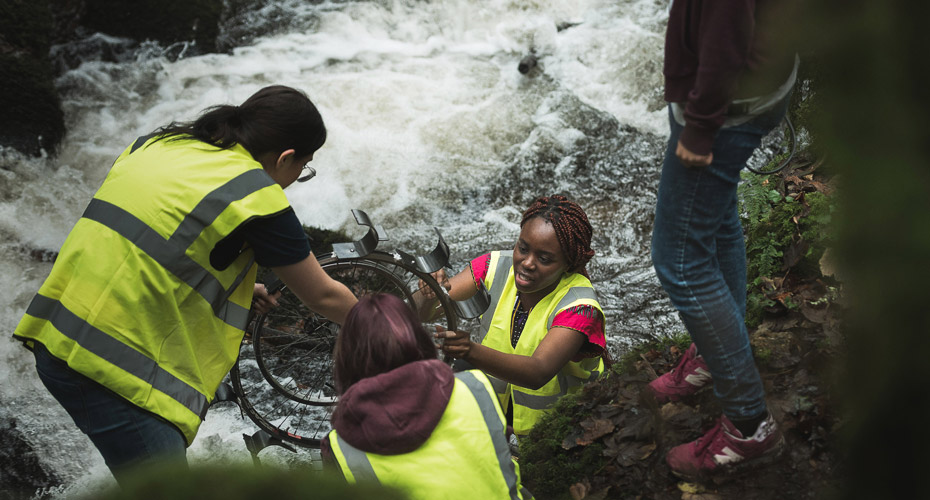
700 258
125 434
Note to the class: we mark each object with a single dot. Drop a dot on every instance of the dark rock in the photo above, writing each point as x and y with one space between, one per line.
167 21
31 120
527 63
21 471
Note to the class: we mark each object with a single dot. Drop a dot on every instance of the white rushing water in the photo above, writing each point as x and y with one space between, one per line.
430 124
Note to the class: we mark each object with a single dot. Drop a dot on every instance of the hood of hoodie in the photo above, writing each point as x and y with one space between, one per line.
395 412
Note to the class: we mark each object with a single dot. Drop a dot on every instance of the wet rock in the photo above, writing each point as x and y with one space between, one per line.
32 121
22 474
168 22
527 64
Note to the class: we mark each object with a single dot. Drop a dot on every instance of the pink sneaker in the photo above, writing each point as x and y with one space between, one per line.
724 450
690 375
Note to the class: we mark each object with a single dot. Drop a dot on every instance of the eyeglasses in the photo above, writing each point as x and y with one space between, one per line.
308 173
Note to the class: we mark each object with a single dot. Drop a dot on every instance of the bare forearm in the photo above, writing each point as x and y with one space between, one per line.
316 289
333 303
524 371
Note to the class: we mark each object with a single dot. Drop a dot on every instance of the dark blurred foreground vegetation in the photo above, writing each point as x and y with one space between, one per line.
874 129
239 482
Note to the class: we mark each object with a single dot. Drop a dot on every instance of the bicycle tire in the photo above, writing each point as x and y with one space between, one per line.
284 375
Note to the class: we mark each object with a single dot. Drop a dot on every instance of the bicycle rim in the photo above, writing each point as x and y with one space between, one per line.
284 375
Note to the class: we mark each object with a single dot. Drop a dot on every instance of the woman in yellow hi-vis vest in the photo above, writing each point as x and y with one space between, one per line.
405 421
543 334
142 314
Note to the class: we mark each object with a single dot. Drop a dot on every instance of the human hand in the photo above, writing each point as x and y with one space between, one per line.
262 301
691 159
456 344
440 277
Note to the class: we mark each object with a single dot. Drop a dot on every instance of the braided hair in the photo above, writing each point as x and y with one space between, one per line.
571 228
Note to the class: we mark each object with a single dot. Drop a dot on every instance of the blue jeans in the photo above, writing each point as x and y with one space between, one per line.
700 258
125 434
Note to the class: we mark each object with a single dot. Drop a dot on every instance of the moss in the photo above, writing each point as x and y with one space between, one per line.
167 21
547 469
321 240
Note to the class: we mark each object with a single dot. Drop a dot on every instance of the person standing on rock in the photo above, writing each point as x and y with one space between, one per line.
728 83
143 312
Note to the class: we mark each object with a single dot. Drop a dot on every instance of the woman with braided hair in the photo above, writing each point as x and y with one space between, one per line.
543 334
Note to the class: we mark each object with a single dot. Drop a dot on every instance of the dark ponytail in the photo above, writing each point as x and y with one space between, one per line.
274 119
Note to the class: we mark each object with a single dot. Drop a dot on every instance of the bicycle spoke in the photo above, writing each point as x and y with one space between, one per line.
284 376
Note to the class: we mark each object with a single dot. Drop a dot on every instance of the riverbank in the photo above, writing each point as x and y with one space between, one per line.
610 440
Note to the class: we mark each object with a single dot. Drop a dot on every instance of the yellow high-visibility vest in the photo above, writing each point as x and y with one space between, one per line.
573 290
132 301
467 455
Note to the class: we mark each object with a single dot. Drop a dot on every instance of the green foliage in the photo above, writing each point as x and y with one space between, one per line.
763 355
778 227
547 469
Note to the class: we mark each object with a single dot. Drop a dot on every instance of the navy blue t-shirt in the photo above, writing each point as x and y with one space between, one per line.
278 240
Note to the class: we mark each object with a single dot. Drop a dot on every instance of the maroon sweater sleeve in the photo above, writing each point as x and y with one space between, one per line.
707 47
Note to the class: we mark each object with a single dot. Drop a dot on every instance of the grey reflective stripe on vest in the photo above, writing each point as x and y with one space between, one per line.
213 204
170 253
357 462
504 262
117 353
574 293
499 385
495 429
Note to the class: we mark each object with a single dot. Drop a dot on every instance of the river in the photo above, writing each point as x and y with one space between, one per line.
430 125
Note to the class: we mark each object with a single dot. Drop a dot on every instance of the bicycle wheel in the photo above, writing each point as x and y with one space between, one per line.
284 375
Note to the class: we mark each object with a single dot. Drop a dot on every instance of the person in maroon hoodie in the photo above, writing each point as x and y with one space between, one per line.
727 81
405 420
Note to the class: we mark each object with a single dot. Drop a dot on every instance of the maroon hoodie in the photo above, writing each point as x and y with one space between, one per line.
394 412
718 50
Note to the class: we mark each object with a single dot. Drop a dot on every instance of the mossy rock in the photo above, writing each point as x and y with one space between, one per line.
321 240
167 21
33 120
